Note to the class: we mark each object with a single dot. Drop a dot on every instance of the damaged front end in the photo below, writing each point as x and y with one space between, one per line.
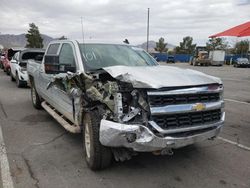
144 119
115 100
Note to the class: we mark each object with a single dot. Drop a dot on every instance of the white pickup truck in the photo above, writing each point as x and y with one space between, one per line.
123 101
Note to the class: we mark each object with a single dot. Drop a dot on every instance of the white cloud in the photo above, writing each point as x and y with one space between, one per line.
114 20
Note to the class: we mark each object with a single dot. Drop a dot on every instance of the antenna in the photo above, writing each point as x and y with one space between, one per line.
147 29
82 30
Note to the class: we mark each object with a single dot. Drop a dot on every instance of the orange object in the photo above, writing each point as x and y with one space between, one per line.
237 31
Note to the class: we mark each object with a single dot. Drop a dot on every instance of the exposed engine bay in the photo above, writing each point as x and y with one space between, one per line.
116 100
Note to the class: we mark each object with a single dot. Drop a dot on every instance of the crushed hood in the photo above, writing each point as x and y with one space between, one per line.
160 76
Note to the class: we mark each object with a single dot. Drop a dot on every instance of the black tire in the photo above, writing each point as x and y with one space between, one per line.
36 100
97 156
19 83
8 71
11 77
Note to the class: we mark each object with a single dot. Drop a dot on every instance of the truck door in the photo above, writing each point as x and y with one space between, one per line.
63 101
44 79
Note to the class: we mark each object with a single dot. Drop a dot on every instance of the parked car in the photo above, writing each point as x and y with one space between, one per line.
2 55
242 62
18 65
123 101
8 56
170 59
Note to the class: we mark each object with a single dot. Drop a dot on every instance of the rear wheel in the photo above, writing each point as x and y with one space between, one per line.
36 101
97 156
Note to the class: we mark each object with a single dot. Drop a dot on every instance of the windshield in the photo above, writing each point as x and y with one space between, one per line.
242 59
97 56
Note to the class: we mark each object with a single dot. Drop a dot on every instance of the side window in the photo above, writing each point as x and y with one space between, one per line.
15 57
66 56
53 49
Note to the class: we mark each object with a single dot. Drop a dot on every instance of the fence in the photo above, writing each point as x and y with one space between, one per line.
186 57
177 57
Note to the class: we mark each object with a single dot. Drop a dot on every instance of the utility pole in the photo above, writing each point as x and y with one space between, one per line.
82 31
147 29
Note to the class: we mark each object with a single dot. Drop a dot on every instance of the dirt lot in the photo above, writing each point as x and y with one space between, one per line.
42 154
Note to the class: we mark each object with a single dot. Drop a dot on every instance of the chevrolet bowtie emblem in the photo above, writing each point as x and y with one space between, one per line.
199 107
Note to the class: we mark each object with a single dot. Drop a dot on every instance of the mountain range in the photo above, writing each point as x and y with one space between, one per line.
152 45
9 40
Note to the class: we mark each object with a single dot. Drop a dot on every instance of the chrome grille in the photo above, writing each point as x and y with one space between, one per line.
162 100
182 120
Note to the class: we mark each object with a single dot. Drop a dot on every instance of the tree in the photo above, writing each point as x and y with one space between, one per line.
34 38
216 44
161 46
186 46
241 47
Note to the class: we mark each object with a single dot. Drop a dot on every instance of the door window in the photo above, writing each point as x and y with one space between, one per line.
66 58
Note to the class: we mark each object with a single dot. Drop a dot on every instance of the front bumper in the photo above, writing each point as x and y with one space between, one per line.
217 62
243 64
114 134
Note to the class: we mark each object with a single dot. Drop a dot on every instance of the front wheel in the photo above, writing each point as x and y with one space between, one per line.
12 77
8 71
19 83
97 156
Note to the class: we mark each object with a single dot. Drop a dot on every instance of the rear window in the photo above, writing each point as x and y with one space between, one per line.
31 55
53 48
11 53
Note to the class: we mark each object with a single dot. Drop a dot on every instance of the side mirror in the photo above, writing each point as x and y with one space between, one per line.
13 61
52 65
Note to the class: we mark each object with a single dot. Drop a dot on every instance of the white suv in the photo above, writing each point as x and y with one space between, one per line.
18 65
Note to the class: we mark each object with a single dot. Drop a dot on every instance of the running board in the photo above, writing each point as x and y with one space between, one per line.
60 119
